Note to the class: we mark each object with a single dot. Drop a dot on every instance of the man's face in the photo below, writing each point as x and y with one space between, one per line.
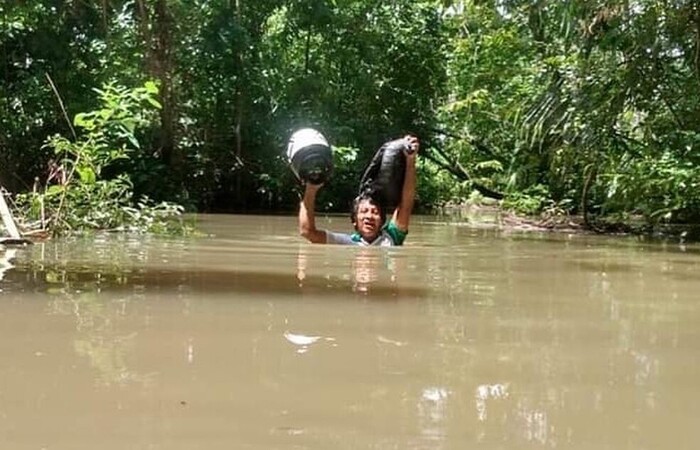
369 220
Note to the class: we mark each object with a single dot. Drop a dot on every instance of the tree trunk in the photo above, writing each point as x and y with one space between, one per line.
696 12
238 105
589 175
156 33
163 55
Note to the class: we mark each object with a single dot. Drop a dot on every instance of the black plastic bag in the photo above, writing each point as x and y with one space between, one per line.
384 176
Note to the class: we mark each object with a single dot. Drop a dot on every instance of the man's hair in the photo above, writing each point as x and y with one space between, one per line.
356 205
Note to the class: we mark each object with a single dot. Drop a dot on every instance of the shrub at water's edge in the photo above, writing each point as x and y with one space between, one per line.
84 189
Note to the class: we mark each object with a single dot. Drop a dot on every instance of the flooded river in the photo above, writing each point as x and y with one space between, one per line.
248 338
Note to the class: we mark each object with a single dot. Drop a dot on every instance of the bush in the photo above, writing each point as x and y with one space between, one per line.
77 195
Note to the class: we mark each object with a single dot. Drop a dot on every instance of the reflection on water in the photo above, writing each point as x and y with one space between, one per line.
6 261
432 412
250 338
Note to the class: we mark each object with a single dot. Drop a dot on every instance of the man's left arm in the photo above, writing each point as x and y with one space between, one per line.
402 213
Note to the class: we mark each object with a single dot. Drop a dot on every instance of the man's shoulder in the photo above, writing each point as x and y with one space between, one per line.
397 235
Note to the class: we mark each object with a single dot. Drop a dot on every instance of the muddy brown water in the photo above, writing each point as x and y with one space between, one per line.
249 338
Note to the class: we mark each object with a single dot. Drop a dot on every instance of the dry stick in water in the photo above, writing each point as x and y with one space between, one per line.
7 218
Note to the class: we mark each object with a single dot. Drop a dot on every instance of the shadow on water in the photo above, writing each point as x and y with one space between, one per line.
366 275
26 278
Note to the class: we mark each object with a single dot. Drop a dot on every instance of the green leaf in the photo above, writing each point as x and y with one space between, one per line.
54 190
154 102
87 175
83 120
151 87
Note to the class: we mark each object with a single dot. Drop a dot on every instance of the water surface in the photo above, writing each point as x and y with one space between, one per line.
247 337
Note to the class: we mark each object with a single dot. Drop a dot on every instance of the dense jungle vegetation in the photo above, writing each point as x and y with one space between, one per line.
114 112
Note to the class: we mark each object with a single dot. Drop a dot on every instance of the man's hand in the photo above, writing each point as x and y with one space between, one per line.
413 146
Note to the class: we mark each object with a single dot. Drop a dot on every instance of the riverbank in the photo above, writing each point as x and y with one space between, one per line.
493 215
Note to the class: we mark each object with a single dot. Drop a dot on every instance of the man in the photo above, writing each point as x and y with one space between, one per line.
367 215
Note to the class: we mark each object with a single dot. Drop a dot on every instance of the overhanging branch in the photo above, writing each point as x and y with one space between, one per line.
458 171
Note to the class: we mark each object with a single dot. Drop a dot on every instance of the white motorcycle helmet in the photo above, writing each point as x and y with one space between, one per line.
310 156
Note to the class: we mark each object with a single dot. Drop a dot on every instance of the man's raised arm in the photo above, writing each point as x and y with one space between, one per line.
307 216
402 213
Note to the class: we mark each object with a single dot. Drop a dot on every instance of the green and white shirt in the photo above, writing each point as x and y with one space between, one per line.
390 235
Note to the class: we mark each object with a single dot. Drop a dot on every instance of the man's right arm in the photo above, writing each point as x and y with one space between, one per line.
307 216
402 214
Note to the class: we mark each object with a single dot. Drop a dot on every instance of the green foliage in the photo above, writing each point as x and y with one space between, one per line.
436 188
531 201
659 189
587 102
78 195
589 106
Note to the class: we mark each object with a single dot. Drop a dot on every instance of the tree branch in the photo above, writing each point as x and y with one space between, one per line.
459 172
